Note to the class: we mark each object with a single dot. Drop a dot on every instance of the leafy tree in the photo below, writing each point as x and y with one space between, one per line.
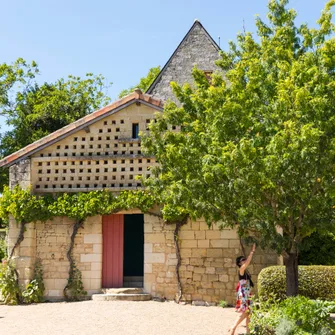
318 249
257 151
33 111
144 83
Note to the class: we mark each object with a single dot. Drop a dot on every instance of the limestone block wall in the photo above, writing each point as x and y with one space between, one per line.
88 254
159 258
25 255
208 271
53 240
50 242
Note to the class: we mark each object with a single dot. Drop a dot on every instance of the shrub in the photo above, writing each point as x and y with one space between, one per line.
294 315
223 303
34 292
10 290
3 247
9 285
74 290
315 282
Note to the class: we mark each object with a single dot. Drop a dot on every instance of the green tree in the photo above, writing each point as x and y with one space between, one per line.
144 83
318 249
34 111
256 151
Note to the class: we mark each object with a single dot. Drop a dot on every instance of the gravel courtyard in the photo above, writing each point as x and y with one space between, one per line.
116 317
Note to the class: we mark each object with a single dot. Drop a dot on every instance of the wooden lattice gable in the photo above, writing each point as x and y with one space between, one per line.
104 152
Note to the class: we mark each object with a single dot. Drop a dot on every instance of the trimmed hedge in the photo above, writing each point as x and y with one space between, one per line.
315 282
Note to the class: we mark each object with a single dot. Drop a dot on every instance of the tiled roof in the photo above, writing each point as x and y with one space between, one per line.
135 97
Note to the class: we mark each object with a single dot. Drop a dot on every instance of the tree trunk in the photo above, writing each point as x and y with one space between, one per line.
291 265
176 239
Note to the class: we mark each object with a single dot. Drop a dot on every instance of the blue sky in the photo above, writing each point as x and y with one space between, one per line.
120 39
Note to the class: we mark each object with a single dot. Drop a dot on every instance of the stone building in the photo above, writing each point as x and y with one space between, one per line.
103 151
197 48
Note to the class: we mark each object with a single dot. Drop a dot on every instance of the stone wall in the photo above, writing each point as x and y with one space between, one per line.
49 242
25 255
197 48
20 174
208 271
53 240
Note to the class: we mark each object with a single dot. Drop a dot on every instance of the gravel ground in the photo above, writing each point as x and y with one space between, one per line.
116 317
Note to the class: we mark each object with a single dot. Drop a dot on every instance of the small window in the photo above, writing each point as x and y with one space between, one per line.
135 130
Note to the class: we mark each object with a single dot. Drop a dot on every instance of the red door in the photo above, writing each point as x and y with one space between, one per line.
112 261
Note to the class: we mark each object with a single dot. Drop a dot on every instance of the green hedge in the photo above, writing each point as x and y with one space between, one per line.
315 282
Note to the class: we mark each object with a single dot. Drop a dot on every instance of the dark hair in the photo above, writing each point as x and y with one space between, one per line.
246 273
238 260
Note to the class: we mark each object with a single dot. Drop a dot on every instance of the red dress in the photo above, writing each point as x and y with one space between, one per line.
243 293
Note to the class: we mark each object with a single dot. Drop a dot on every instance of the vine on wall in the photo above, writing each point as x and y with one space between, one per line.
26 207
74 288
34 291
179 224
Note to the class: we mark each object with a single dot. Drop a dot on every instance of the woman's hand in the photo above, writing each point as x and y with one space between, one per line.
248 260
253 247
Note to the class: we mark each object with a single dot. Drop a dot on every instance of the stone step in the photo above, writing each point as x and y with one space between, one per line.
122 290
124 293
121 296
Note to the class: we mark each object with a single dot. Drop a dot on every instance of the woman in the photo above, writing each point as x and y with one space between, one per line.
243 291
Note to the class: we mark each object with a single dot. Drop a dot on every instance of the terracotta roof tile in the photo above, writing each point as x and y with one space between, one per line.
136 96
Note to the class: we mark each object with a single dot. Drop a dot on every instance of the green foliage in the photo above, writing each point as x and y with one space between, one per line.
330 305
23 206
9 285
295 315
223 303
318 249
257 153
286 327
34 291
26 207
75 288
34 111
3 247
315 282
144 83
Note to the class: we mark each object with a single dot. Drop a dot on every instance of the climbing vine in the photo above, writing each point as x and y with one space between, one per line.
34 291
74 288
26 207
